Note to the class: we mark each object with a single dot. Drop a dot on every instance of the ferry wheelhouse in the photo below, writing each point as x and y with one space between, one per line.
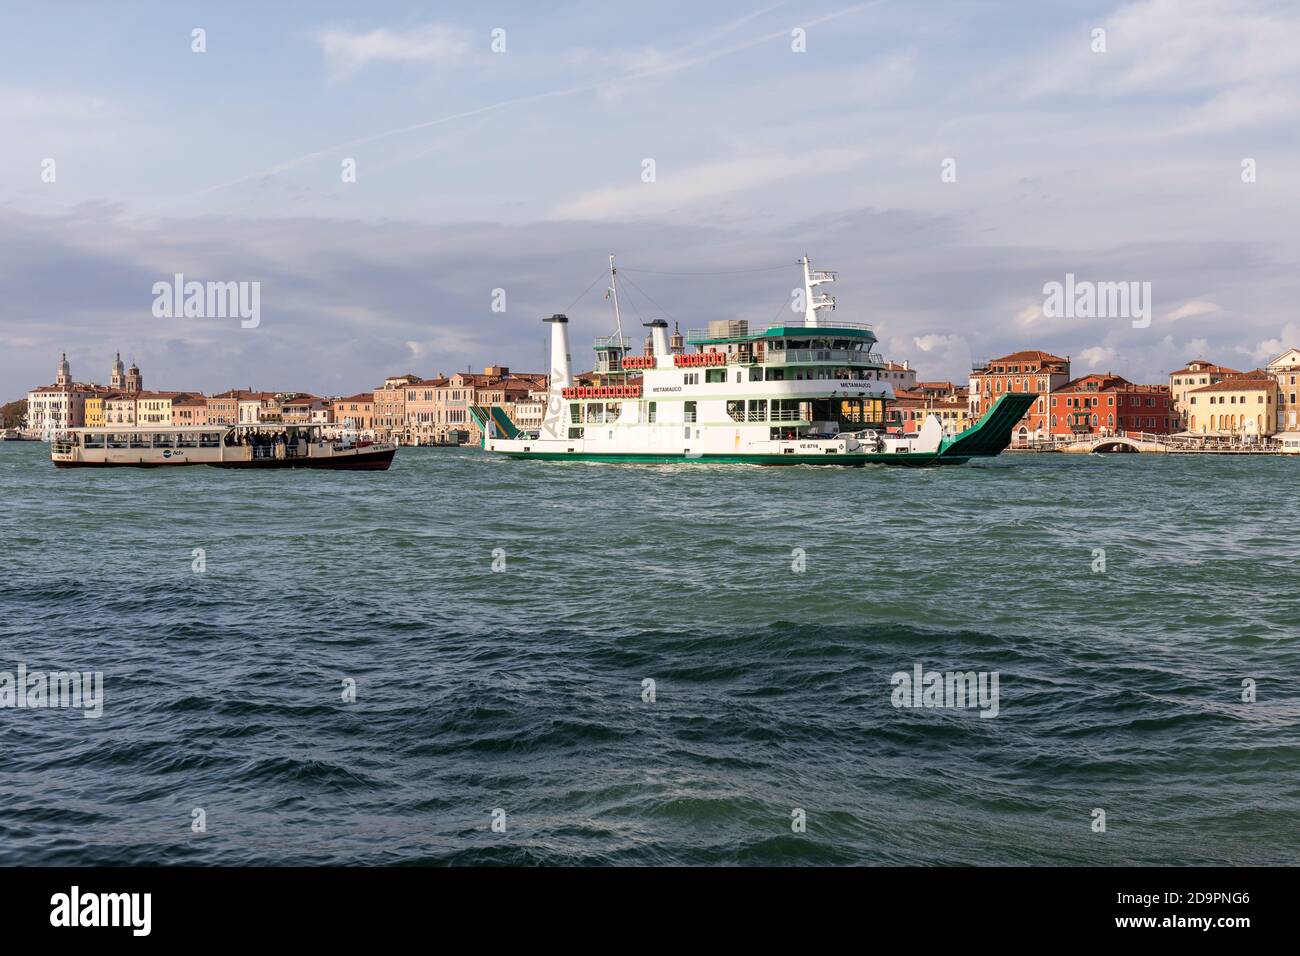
222 446
809 393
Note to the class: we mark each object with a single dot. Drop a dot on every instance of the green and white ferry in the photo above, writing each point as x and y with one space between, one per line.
811 393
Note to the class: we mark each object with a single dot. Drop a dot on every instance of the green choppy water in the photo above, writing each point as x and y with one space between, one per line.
522 689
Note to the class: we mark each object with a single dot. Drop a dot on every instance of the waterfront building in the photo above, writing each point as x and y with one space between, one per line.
155 408
223 408
452 400
119 409
1194 374
300 409
390 406
355 411
496 386
1106 404
1285 370
1031 370
191 409
899 374
948 402
94 408
420 410
944 400
529 412
438 409
257 408
61 405
906 413
1242 406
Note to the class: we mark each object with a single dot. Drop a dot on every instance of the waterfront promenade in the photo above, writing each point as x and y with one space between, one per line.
1142 442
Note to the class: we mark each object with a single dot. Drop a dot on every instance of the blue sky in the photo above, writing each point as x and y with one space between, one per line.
522 170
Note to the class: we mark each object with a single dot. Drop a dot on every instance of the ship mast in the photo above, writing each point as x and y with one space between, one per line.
815 300
618 318
613 289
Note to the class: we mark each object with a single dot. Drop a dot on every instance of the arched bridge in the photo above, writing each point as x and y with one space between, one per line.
1107 444
1135 442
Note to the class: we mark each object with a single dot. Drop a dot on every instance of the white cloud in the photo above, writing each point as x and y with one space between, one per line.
930 343
1029 315
1257 104
1238 52
1268 349
30 105
703 183
347 53
1098 356
1188 309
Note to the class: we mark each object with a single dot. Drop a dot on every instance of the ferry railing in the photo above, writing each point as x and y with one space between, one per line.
802 356
753 332
824 327
782 415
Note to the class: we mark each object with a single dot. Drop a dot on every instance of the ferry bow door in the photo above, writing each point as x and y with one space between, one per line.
930 436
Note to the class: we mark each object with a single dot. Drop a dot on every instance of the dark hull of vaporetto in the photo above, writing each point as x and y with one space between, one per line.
366 461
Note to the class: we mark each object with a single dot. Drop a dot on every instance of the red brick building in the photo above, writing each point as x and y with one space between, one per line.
1105 404
1028 371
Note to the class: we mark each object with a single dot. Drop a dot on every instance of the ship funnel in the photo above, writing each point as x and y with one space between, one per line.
555 423
659 334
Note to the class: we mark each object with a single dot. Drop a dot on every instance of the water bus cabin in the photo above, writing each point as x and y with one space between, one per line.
222 446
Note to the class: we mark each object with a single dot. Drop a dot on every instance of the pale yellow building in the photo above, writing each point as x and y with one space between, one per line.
155 408
1242 406
1195 374
303 409
1285 370
390 405
119 410
420 410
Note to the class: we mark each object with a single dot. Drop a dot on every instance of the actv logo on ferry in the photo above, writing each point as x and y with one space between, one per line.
208 300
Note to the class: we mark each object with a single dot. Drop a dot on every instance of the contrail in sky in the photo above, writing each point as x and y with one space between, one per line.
671 67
